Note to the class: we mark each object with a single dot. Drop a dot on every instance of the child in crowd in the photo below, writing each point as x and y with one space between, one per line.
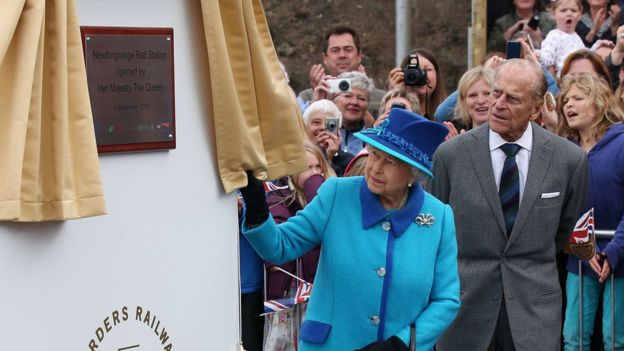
563 40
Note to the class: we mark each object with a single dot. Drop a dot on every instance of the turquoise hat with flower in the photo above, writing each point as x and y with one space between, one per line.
407 136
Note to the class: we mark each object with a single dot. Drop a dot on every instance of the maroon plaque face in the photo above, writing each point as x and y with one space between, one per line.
130 78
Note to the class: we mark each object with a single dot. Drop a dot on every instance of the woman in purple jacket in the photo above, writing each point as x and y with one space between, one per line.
591 115
283 204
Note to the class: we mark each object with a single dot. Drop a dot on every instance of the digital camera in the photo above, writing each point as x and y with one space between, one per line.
398 105
413 74
339 85
331 124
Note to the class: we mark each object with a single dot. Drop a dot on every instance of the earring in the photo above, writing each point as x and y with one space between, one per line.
409 185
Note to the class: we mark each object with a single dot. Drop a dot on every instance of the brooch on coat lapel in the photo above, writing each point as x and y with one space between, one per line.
425 219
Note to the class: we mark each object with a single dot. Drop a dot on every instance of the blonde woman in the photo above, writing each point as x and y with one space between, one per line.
471 110
590 115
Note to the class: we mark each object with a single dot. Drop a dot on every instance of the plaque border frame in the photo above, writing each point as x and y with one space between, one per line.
138 146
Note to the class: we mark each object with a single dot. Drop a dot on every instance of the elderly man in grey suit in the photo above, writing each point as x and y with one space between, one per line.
516 191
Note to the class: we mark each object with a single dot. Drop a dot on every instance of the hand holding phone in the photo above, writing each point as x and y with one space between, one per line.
514 50
534 21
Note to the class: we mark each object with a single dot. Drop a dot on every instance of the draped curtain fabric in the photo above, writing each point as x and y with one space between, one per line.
49 166
258 124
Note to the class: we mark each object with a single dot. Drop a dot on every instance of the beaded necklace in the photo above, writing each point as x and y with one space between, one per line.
403 200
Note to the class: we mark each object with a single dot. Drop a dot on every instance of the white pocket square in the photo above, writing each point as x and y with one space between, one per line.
550 195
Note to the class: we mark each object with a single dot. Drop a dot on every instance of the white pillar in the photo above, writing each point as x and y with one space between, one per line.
403 16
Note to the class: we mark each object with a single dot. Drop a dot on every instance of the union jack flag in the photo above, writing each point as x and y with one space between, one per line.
272 306
302 295
303 292
584 228
270 186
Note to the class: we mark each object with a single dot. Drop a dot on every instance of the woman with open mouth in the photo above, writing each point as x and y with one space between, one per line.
471 110
591 116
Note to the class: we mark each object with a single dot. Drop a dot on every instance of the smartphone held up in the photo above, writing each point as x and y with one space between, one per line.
514 50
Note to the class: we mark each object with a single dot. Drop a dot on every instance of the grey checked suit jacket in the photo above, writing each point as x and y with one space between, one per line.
521 268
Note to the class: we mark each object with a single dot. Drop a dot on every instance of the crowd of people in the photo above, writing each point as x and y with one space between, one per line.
433 221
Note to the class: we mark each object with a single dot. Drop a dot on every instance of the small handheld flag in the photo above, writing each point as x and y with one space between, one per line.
270 186
582 242
304 289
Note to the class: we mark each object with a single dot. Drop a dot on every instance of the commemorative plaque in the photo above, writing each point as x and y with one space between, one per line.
131 87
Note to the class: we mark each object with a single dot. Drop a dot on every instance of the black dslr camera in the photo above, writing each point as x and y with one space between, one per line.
414 75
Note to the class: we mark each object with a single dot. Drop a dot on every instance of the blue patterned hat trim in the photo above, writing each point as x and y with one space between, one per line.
411 154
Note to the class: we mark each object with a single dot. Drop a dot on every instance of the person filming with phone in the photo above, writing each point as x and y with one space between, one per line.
528 16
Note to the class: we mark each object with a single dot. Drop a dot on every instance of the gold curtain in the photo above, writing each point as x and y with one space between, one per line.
49 166
258 124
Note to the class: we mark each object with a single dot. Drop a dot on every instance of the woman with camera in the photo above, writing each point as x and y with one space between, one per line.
528 16
419 73
396 99
323 121
387 273
351 92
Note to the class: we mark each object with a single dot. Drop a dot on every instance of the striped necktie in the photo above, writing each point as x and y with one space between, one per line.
509 190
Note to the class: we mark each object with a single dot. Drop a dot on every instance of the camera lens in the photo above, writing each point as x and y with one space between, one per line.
414 76
331 125
343 85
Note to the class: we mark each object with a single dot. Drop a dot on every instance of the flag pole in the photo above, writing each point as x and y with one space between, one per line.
612 311
609 234
580 307
290 274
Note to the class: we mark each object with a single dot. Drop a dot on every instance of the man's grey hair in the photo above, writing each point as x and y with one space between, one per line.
359 81
532 70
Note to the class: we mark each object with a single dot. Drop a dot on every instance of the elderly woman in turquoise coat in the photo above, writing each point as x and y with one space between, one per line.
387 275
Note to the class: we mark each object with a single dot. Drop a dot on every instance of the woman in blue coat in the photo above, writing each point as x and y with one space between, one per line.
591 116
388 252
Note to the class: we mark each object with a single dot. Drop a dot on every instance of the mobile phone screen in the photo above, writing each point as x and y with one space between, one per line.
513 49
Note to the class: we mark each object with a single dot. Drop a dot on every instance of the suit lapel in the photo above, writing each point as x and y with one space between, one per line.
482 163
541 155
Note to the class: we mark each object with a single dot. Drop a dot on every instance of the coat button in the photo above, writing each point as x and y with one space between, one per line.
386 226
381 272
375 320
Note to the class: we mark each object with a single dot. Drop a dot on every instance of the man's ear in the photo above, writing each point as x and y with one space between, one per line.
537 109
359 55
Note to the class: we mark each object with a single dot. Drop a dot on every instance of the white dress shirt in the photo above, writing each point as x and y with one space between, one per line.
522 157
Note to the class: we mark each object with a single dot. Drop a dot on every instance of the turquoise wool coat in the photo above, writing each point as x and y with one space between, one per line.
379 270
